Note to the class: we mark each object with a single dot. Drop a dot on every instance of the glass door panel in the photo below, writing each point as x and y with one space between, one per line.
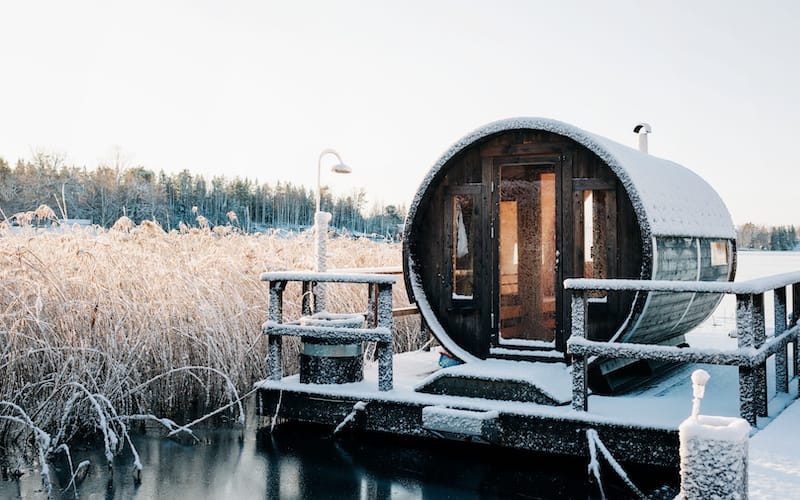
527 254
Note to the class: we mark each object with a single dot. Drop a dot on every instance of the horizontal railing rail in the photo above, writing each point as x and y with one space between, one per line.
397 312
753 345
753 286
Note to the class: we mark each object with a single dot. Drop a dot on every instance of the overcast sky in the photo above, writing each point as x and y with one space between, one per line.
260 88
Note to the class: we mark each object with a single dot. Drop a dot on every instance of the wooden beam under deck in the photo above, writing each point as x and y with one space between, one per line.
561 434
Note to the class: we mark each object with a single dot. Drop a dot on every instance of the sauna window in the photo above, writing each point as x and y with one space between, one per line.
463 246
719 253
594 239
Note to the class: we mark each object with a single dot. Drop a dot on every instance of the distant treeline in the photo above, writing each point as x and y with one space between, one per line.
766 238
108 192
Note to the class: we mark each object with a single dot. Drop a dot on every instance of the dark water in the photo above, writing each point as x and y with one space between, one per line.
300 461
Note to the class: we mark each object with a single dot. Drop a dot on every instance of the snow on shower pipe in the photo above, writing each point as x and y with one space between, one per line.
642 129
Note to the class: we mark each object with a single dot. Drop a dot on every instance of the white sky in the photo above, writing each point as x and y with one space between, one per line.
259 88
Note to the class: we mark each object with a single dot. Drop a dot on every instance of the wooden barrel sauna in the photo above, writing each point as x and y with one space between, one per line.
516 207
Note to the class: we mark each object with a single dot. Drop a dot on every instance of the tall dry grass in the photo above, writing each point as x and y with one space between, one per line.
104 324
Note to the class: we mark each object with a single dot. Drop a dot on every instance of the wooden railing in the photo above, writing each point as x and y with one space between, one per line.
397 312
750 356
378 315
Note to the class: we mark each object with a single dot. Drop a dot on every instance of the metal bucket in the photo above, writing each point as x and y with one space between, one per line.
332 361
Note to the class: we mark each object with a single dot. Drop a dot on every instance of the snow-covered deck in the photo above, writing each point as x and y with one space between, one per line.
640 426
663 405
405 411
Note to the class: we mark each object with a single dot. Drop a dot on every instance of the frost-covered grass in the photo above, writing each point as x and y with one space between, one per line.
102 328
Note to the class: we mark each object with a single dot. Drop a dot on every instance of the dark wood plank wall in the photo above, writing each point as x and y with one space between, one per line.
469 325
623 243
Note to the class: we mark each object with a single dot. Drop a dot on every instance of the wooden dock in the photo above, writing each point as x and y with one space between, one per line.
546 407
513 424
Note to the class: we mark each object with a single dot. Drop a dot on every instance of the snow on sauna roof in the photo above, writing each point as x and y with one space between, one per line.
669 200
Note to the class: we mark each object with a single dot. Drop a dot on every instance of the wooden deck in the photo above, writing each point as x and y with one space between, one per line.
497 422
546 407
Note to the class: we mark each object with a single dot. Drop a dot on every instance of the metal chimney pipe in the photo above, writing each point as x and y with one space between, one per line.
642 129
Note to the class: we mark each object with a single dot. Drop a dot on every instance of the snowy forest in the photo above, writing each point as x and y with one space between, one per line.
104 194
752 236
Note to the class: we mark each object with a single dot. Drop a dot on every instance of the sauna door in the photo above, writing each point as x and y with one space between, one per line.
527 254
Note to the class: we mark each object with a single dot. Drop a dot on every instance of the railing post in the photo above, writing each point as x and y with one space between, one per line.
792 322
760 338
782 356
746 338
385 349
305 300
372 306
318 291
580 397
275 342
795 304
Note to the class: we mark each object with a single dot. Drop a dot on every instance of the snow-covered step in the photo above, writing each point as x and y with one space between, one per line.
466 423
504 380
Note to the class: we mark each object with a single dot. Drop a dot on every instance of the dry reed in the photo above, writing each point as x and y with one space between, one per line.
119 313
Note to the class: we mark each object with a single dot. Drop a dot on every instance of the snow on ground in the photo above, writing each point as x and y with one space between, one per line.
775 457
774 450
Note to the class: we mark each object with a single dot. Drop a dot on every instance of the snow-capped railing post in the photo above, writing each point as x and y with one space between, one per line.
793 322
386 348
795 305
578 315
275 343
751 335
713 452
782 356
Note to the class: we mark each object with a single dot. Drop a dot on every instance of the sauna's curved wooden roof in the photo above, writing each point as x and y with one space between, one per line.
669 199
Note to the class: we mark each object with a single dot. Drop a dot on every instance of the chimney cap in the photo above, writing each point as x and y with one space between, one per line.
646 126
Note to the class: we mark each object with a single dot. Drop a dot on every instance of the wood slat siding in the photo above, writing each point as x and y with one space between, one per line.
577 169
622 249
589 184
400 312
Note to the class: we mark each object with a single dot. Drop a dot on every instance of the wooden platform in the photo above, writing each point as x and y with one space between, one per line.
526 404
547 425
546 433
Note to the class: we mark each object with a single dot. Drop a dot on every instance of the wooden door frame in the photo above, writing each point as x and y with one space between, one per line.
561 163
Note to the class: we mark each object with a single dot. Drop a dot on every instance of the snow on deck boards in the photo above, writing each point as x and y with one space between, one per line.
551 378
775 457
663 405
